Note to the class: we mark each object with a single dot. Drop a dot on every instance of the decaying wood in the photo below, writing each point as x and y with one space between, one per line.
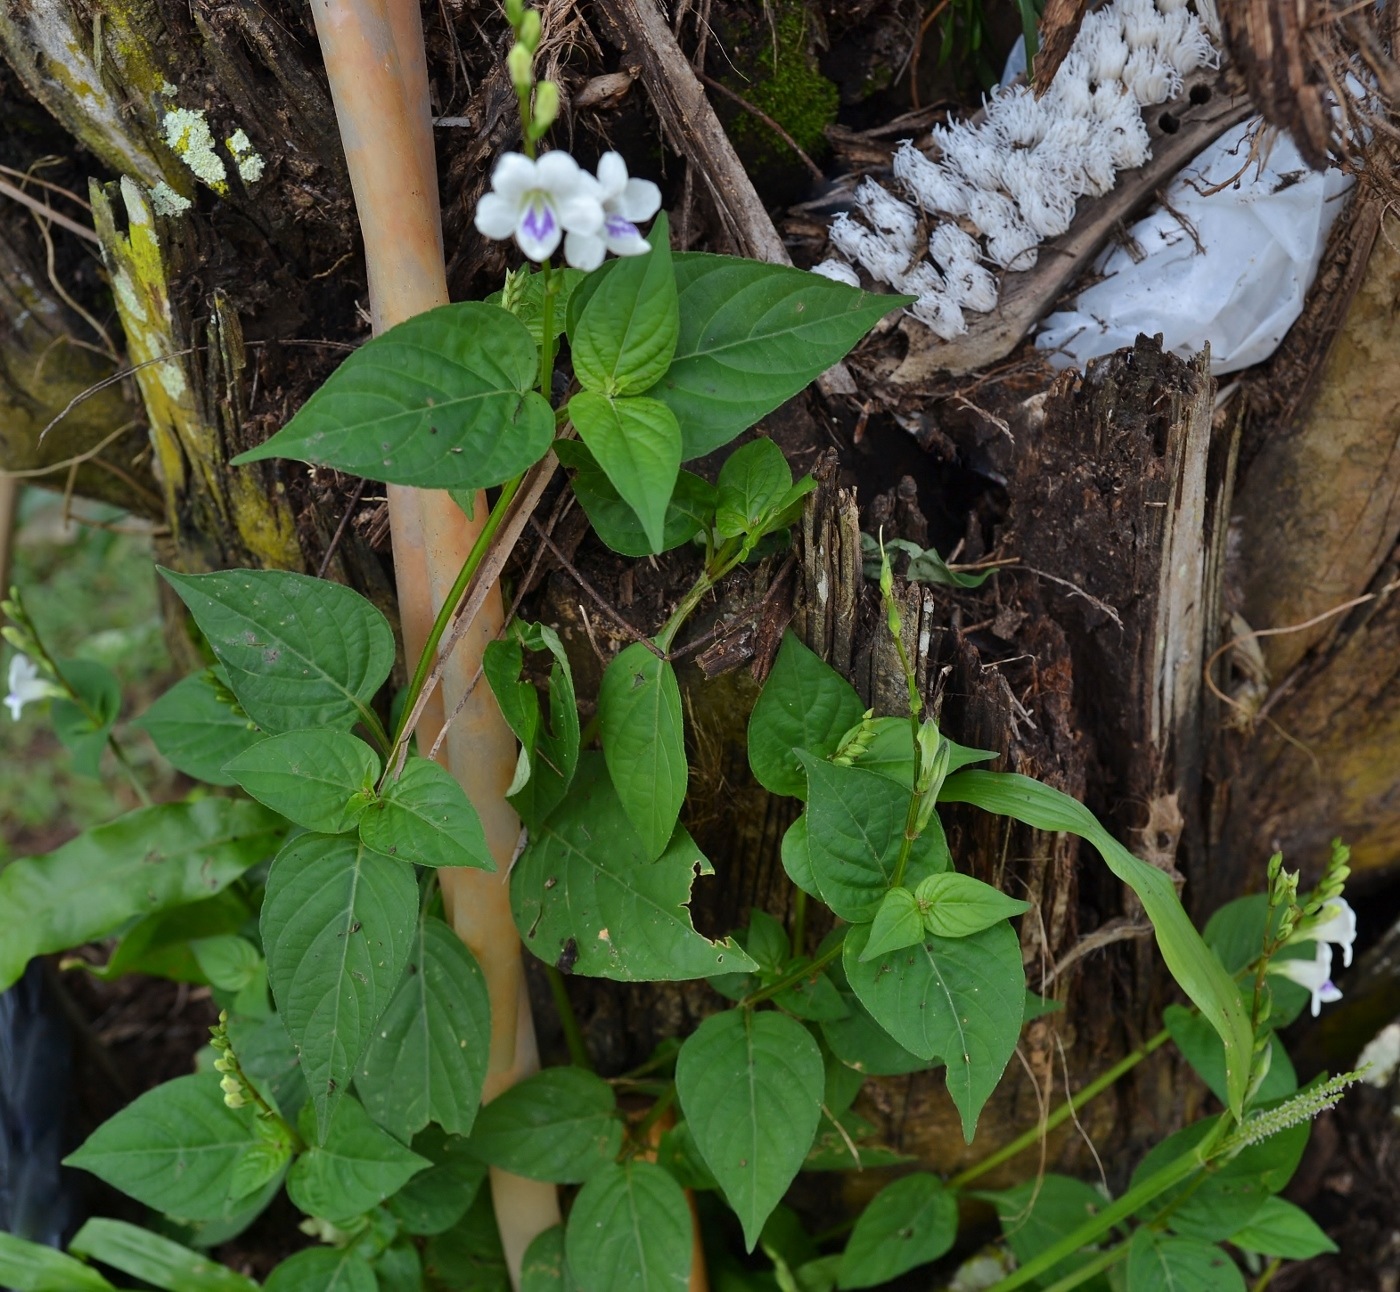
1059 25
1179 130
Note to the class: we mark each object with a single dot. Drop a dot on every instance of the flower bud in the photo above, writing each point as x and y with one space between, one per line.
521 68
546 107
530 30
515 11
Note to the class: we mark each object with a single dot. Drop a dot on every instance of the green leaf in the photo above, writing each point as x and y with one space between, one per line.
229 962
198 726
84 728
1279 1228
897 924
639 711
925 565
468 1257
797 857
323 1269
159 944
1235 933
436 1199
630 1231
525 299
960 999
1199 1042
752 336
841 1146
559 1125
1163 1263
752 483
587 890
955 906
545 1268
908 1223
427 1058
891 752
399 1268
624 335
264 1163
355 1167
319 779
855 828
299 652
425 817
32 1267
690 509
442 401
751 1087
173 1148
805 704
637 444
860 1042
548 754
154 1259
1037 1214
337 929
270 1060
146 861
1192 964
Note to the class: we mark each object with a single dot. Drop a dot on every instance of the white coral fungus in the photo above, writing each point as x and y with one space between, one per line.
1015 178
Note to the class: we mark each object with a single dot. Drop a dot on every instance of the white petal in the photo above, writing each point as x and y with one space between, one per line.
496 215
560 174
514 176
623 237
640 200
583 250
538 230
16 705
580 211
612 176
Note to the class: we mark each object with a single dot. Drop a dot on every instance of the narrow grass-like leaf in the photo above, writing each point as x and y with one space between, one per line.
587 894
630 1231
425 817
426 1060
320 780
559 1125
1194 966
155 1260
299 652
444 400
337 928
751 1087
907 1224
639 710
959 999
33 1267
143 862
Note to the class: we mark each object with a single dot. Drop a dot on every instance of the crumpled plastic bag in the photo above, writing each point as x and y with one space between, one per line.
1227 260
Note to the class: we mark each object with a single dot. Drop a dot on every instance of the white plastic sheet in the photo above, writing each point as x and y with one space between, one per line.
1227 260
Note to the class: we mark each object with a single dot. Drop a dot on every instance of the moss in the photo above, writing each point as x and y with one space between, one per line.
785 83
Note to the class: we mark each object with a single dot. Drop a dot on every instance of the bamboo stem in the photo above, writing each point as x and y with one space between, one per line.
373 51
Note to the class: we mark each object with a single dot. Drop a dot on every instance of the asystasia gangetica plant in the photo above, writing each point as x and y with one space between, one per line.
301 887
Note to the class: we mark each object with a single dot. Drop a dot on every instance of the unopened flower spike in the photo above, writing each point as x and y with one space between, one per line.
626 203
538 200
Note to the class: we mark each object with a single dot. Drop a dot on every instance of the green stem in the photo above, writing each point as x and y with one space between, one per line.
448 609
725 560
1104 1260
1116 1212
1061 1114
551 289
795 977
654 1114
568 1020
1267 1276
911 827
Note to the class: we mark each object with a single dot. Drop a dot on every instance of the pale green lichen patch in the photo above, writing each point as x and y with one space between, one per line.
166 201
250 165
188 134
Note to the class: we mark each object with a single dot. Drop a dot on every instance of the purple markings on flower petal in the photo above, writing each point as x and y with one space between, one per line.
538 221
617 227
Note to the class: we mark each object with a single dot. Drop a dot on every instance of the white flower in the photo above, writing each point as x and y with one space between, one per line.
26 685
538 200
1335 922
625 202
1314 974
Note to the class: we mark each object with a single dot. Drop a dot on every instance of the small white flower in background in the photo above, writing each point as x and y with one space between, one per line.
626 202
538 201
27 685
1334 923
1314 974
1381 1057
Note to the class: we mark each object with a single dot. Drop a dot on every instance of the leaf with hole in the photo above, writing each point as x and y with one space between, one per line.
445 400
805 704
147 861
958 999
426 1060
337 930
751 1087
299 652
639 714
319 780
636 442
587 894
426 818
